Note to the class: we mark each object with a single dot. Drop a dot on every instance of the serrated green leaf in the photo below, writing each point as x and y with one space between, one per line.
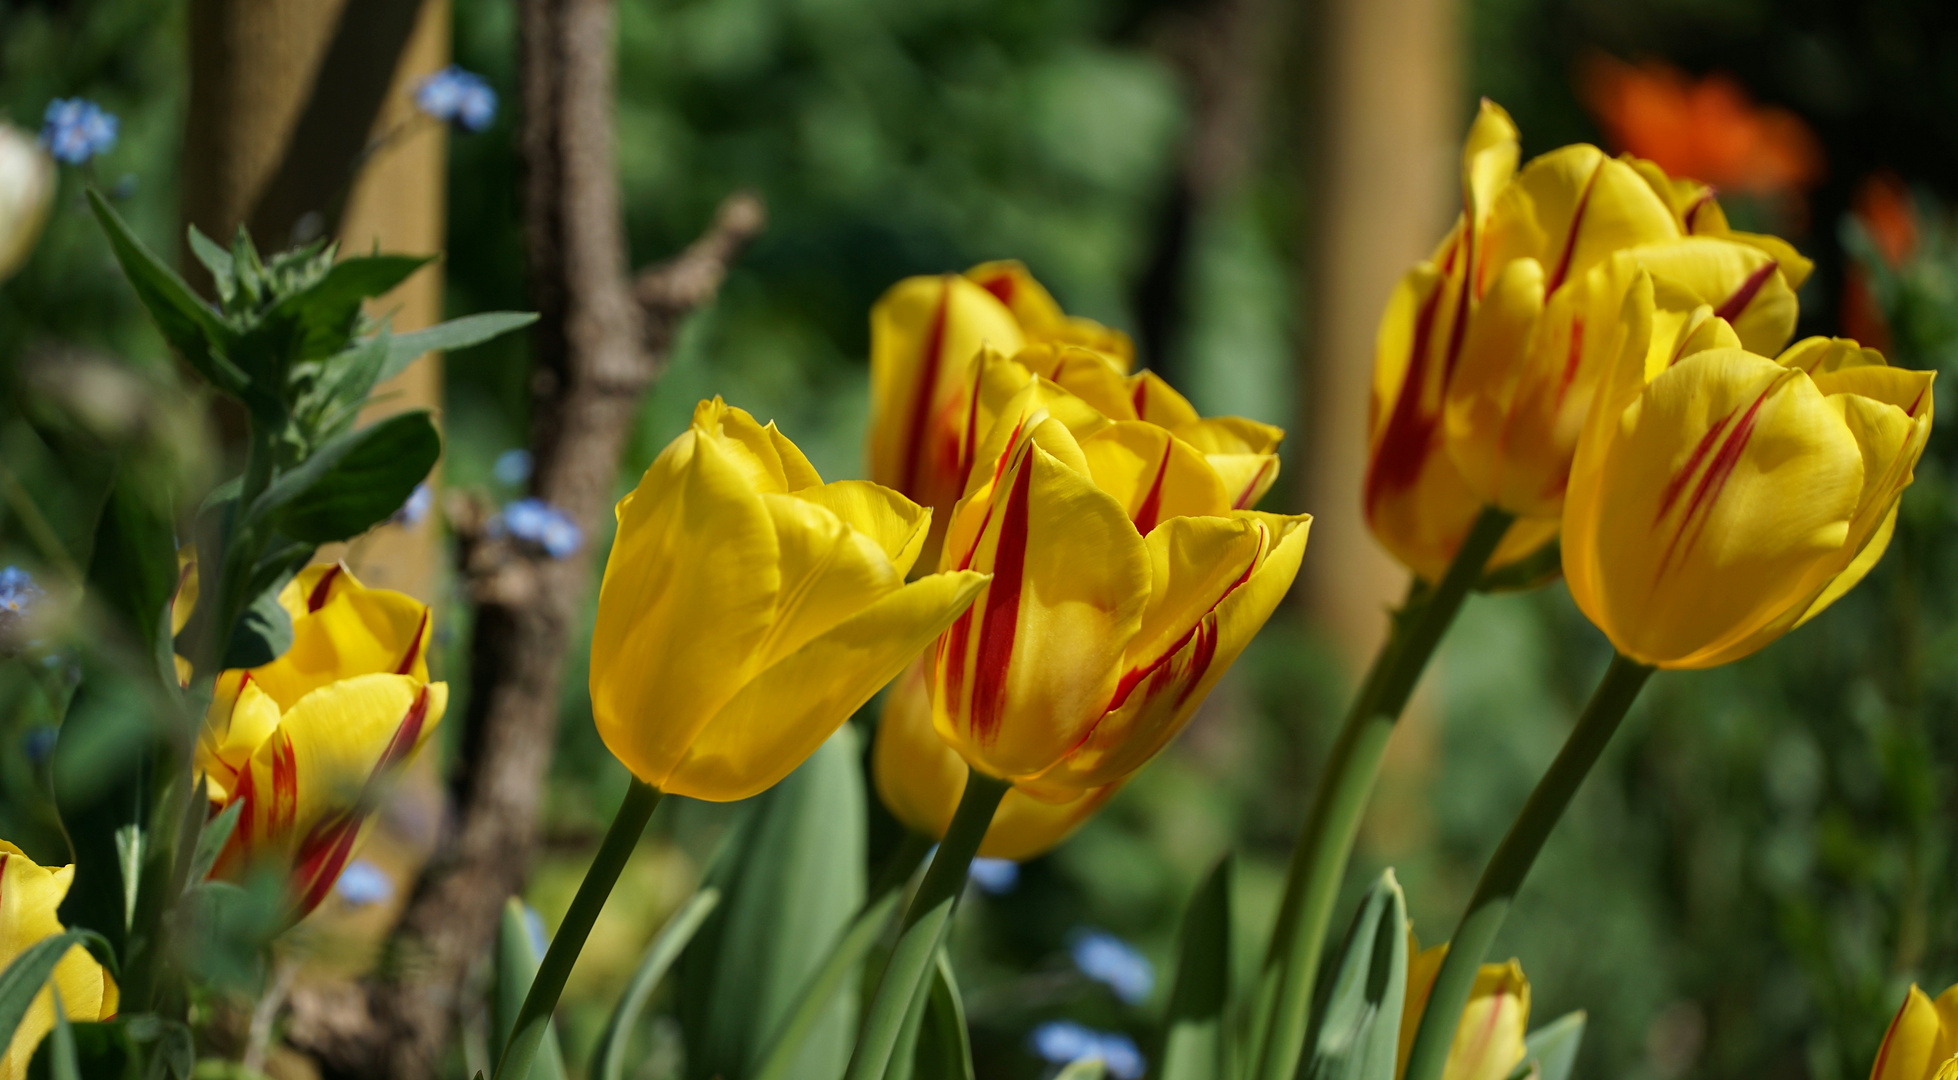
23 979
1357 1034
517 958
1195 1025
454 334
353 481
944 1050
1551 1050
791 881
190 327
609 1062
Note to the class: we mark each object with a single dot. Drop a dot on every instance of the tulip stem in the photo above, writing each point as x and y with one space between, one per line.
534 1018
906 977
1512 861
1284 996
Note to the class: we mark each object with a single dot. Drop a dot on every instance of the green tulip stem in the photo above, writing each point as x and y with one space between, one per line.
907 976
1512 861
538 1005
1325 841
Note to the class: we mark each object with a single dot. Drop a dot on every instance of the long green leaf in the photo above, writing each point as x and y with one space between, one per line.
353 481
791 882
454 334
29 972
129 859
1358 1033
814 1002
61 1043
609 1063
1551 1050
190 327
517 958
133 569
944 1048
1194 1037
210 842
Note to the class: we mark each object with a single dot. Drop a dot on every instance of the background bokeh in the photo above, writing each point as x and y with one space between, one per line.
1761 864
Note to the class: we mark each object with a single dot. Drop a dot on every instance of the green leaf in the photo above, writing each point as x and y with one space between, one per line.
1194 1039
517 957
346 379
1358 1031
1551 1050
944 1048
61 1043
215 259
133 570
792 880
129 858
609 1062
190 326
210 842
23 978
262 634
1085 1069
353 481
828 980
102 1052
326 313
454 334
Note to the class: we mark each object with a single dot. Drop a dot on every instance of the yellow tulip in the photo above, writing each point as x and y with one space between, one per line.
748 608
1490 351
1922 1043
29 897
27 182
924 332
309 741
1124 585
1719 498
1489 1042
921 781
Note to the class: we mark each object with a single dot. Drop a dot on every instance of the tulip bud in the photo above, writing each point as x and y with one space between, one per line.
27 182
1922 1043
30 895
748 608
1489 1041
1719 499
1490 351
1124 585
921 781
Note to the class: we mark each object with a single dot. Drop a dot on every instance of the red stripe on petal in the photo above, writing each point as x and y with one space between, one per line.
1571 361
1707 491
1914 403
1243 500
1152 503
1570 238
1002 616
914 440
1677 485
321 857
414 647
1731 308
1000 285
285 787
323 589
1405 445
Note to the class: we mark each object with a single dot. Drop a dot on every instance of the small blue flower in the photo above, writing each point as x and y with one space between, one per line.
512 467
994 876
76 129
1115 963
540 523
362 884
1064 1042
458 97
18 592
533 924
420 501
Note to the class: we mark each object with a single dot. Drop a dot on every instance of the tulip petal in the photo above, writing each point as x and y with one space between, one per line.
240 719
689 593
1918 1031
829 572
1483 396
1489 1040
1743 284
1571 209
892 522
1041 646
1153 474
784 713
30 895
342 628
772 463
1042 318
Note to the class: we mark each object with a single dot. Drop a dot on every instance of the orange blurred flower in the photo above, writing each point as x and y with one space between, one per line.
1884 209
1707 128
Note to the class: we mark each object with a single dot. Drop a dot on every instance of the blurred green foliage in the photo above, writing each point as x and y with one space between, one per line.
1745 886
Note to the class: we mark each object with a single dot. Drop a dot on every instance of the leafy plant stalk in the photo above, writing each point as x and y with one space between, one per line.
907 977
640 800
1283 1003
1512 861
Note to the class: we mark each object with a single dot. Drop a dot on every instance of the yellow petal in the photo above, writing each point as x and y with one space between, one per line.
1571 209
1717 509
1910 1047
924 332
1095 377
1158 402
783 714
1743 284
771 463
688 595
29 896
892 522
1153 474
1024 673
240 719
1186 643
1489 157
1489 1041
1492 377
341 628
1042 318
829 572
1423 965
